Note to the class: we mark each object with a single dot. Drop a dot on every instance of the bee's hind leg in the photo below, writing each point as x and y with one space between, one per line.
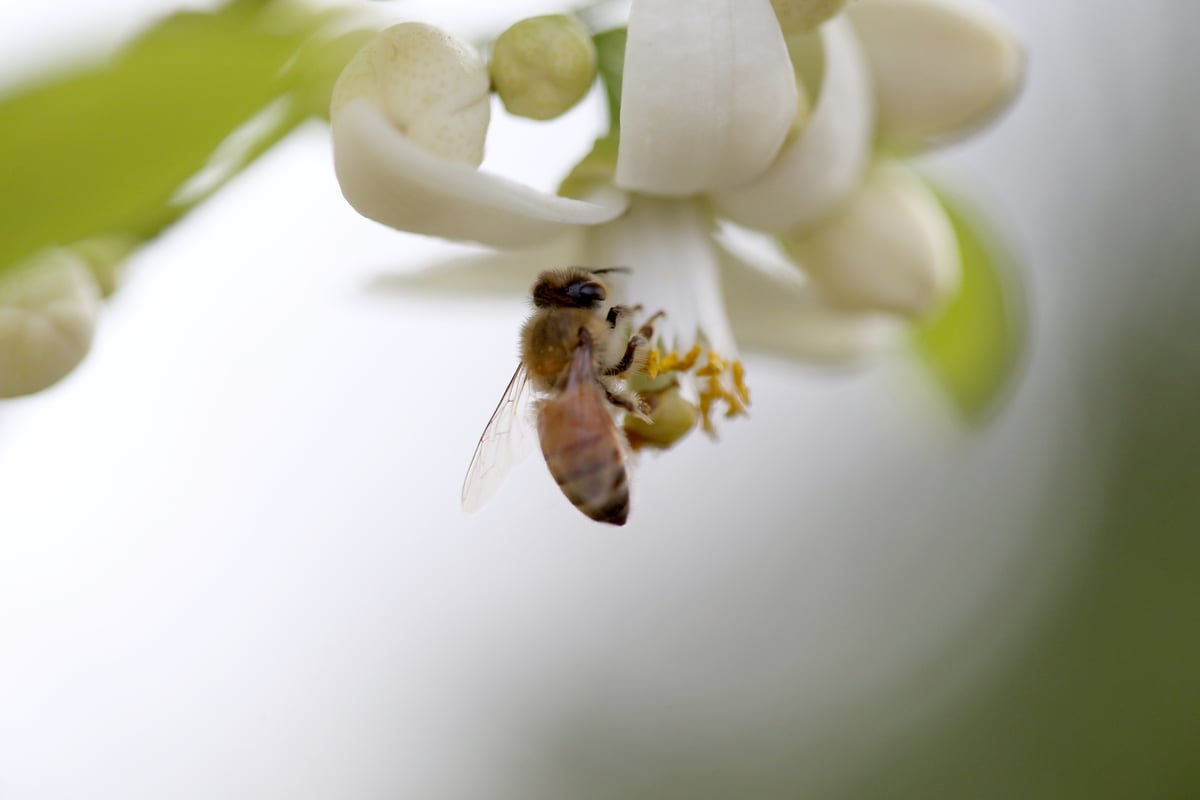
630 402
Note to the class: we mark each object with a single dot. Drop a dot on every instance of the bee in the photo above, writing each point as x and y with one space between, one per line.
573 357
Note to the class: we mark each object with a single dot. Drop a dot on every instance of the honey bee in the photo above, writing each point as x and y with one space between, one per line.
573 358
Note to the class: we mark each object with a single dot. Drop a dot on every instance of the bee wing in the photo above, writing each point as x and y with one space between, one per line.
504 442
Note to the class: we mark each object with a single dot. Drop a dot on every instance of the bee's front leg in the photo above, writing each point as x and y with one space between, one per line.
642 337
647 329
631 351
617 313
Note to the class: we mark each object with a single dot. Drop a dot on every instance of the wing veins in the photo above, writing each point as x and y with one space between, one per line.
503 443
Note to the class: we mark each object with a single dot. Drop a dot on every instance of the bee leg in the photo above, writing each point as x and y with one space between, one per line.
616 312
632 403
647 329
639 339
622 366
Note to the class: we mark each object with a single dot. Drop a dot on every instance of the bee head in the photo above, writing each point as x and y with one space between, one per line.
572 288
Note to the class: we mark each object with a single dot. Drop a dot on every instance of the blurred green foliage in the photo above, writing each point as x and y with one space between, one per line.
610 63
103 149
974 347
1105 700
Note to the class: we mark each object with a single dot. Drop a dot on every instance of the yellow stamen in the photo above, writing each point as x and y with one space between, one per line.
689 360
739 382
715 366
653 364
706 403
657 363
719 373
720 381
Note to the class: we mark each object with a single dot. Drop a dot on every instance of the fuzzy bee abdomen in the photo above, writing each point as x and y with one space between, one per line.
585 454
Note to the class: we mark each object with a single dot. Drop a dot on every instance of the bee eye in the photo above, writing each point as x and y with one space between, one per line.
587 293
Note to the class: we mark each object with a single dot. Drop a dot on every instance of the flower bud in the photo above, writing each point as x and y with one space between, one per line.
890 248
672 417
542 66
430 86
940 69
48 308
796 16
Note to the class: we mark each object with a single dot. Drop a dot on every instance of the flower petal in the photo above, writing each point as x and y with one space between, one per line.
824 165
667 245
707 98
779 312
392 180
941 67
48 308
892 248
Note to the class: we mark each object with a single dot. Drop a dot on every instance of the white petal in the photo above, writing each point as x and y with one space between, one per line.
708 95
389 179
667 246
824 165
777 311
941 67
48 308
891 248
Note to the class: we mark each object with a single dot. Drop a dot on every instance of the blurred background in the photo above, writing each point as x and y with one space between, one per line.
233 564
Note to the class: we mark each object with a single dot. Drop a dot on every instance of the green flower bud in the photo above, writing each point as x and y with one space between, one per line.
48 308
672 417
542 66
804 15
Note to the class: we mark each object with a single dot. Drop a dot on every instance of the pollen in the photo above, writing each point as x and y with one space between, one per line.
723 381
653 365
739 383
715 366
658 363
718 381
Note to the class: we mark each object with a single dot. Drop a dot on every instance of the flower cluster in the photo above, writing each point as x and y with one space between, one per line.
783 117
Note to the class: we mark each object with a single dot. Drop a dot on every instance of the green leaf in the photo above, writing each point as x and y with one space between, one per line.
610 63
975 346
597 167
600 164
104 150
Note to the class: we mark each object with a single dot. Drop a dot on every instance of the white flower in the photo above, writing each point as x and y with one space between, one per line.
722 117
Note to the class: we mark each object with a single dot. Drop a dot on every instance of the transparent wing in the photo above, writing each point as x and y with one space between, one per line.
504 442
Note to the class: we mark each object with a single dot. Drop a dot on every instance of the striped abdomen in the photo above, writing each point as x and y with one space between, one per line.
585 453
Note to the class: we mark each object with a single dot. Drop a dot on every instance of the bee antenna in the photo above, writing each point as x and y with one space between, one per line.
604 270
